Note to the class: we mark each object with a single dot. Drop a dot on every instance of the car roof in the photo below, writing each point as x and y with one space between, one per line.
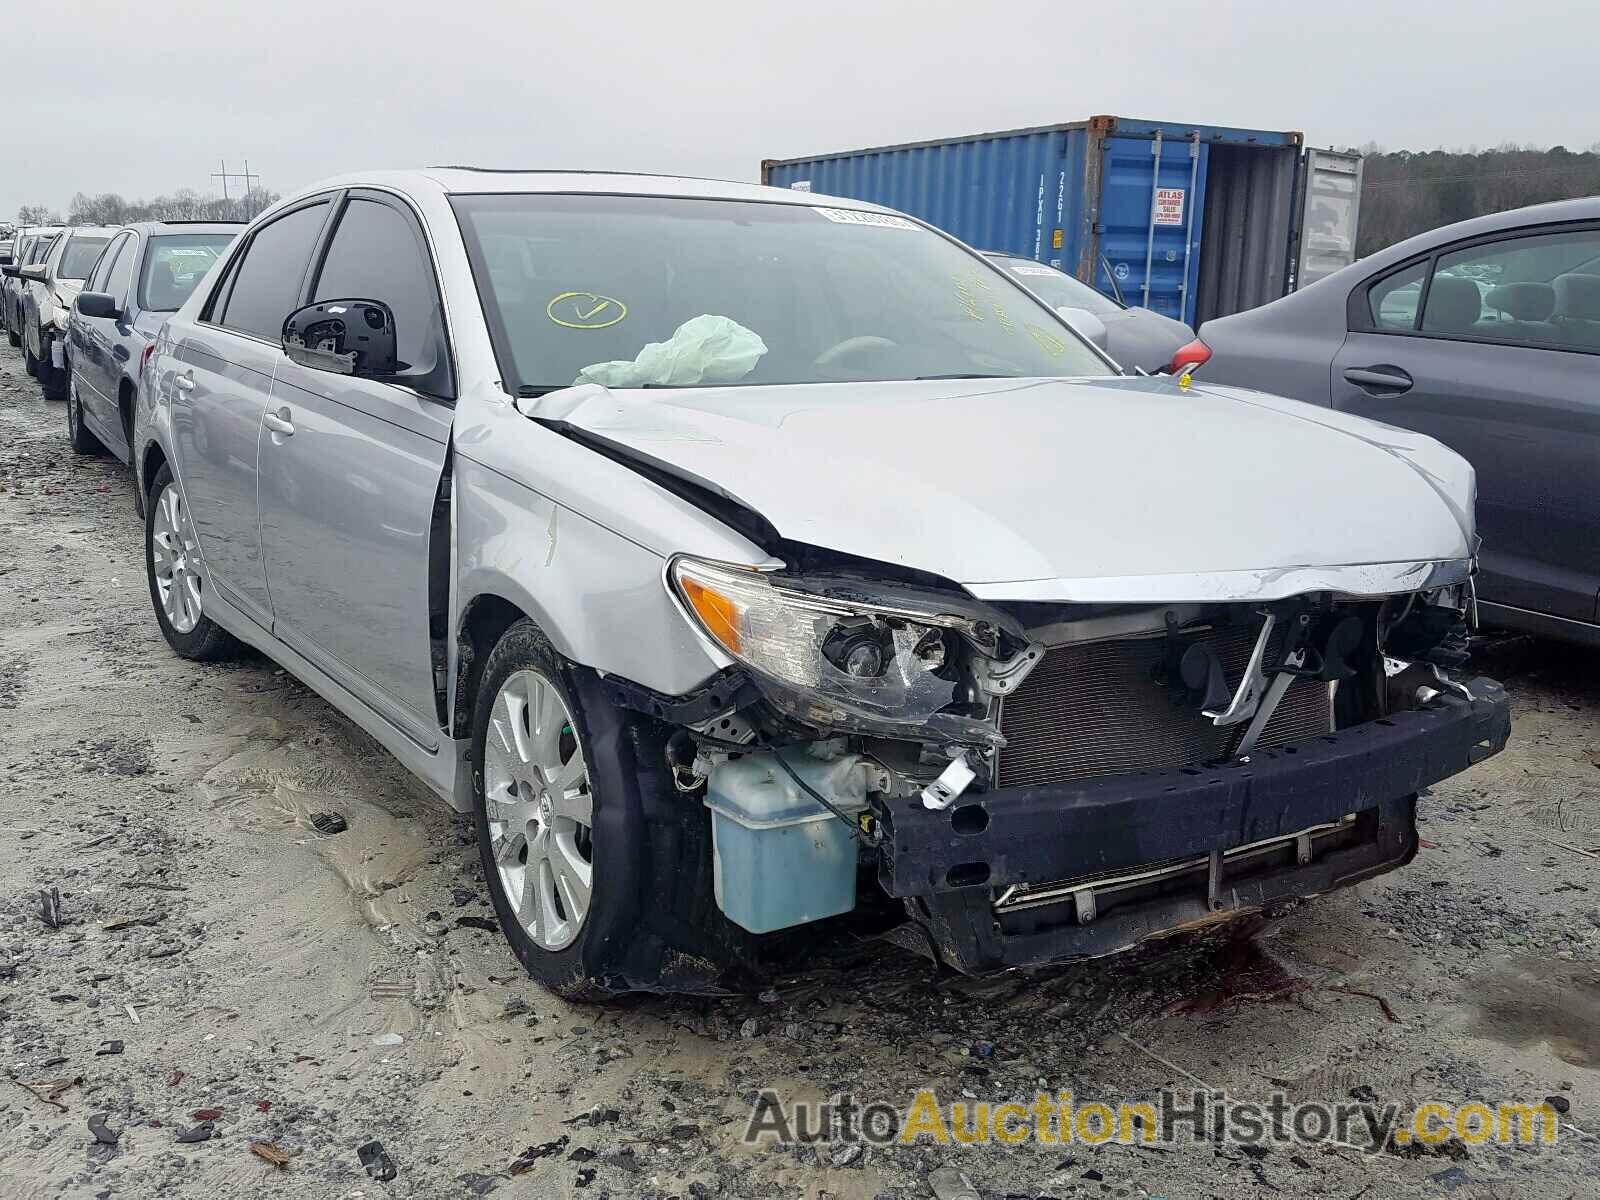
1585 208
159 227
92 230
461 181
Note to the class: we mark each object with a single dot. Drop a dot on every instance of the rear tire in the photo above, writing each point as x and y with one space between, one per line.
78 437
168 542
651 921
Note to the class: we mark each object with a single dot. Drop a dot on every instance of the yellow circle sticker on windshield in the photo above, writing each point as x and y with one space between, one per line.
585 310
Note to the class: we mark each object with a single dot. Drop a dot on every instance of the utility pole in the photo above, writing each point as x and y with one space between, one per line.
225 175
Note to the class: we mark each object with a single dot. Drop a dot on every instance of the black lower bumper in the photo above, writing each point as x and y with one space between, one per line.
956 862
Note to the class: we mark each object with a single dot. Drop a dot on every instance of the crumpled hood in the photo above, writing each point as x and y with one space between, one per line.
1068 483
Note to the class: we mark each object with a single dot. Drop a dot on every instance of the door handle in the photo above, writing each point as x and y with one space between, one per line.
184 383
1386 380
278 422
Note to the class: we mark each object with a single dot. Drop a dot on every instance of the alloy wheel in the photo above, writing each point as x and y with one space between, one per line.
175 558
539 808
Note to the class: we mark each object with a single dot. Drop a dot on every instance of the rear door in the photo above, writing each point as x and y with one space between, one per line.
1493 347
1150 223
220 389
1330 214
350 469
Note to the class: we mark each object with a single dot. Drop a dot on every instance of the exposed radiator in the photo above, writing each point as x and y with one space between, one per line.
1097 708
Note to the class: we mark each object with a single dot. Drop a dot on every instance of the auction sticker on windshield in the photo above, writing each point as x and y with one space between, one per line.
1032 269
854 216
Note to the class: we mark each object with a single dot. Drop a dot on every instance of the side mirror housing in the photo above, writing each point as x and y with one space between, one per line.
98 304
346 337
10 270
1085 322
34 271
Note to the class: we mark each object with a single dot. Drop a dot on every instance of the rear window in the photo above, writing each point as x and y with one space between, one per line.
174 264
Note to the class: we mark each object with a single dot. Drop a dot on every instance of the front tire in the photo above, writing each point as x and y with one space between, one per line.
598 869
171 563
30 363
78 437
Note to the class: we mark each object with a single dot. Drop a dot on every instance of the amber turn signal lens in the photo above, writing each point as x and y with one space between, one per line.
717 613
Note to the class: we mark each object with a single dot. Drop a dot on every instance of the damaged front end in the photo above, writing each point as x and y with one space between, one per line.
1037 782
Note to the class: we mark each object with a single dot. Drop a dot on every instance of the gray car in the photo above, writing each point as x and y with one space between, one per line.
1485 335
49 289
739 558
1135 337
144 275
31 245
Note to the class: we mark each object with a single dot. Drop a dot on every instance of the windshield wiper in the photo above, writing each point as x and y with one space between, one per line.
532 390
964 375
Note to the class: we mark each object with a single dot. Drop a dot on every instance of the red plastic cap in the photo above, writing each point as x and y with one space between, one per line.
1190 354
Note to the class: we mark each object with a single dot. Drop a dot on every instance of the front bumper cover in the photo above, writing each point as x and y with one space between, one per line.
1362 780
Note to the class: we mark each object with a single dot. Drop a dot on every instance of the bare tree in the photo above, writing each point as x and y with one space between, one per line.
185 204
1406 192
37 214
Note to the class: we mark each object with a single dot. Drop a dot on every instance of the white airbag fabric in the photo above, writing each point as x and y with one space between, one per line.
704 349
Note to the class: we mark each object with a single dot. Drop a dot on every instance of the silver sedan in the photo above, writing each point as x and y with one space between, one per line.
740 558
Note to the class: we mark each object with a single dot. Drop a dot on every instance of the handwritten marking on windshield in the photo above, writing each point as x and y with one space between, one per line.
585 310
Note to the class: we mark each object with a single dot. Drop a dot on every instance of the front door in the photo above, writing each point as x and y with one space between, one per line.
350 471
97 362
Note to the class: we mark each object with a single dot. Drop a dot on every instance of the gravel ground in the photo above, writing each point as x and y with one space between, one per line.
218 960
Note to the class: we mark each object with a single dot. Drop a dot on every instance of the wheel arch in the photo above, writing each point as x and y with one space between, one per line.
127 395
151 460
483 620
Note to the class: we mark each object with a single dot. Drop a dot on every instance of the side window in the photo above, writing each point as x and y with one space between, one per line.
102 269
266 284
377 254
1393 301
122 271
1542 290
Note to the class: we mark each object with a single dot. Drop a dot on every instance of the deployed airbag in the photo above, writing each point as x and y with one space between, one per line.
704 349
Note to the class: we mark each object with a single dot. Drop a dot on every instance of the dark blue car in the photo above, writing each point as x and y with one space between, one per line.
144 275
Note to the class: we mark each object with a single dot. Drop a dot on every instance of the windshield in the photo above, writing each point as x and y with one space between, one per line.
1057 288
174 264
78 259
647 291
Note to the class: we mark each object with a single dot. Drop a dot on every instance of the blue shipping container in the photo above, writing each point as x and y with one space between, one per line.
1194 221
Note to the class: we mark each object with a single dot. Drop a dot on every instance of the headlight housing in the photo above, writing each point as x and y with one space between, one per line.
840 659
60 312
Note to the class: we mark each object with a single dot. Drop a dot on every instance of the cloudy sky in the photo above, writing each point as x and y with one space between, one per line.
147 97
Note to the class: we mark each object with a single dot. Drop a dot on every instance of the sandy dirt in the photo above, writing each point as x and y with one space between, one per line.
215 952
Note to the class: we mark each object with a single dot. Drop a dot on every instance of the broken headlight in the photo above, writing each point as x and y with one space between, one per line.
847 663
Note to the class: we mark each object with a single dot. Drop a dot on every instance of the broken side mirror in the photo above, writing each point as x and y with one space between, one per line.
33 271
1085 322
346 337
98 304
